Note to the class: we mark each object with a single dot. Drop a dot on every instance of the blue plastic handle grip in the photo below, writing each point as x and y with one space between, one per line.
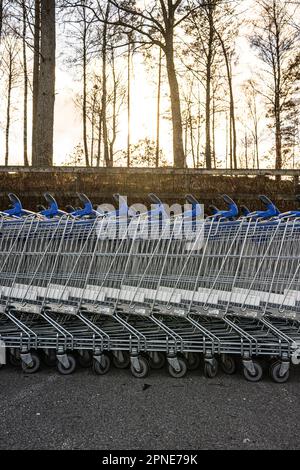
271 211
85 211
231 212
16 209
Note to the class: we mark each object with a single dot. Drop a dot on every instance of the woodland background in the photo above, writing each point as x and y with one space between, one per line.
183 83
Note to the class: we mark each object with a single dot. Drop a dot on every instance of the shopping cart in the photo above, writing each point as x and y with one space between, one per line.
147 289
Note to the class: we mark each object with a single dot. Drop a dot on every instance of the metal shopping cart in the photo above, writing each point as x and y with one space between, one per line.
145 289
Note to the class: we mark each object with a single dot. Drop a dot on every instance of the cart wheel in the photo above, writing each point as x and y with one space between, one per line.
159 362
211 370
122 364
254 377
34 366
85 360
183 369
1 366
193 361
228 365
101 368
275 373
50 359
67 370
144 368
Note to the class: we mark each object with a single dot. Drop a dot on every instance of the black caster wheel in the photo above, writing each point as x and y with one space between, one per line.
103 367
50 359
178 374
211 369
144 368
85 359
228 365
122 364
193 361
275 373
34 366
257 376
67 370
158 361
1 366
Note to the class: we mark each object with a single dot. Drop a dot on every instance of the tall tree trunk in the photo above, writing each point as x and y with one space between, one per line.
192 137
92 142
278 140
256 145
185 133
178 152
226 146
278 132
278 92
114 111
104 89
230 142
99 139
214 131
25 73
246 149
93 127
35 82
233 124
199 128
46 96
208 87
84 98
129 102
231 106
168 14
1 18
9 88
157 148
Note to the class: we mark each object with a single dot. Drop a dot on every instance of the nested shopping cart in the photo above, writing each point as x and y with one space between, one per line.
149 289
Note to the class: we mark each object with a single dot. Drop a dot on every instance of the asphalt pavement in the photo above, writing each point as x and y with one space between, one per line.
117 411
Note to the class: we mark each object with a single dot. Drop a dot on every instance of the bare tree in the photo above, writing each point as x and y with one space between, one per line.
158 106
85 32
25 81
12 72
155 24
212 30
129 66
104 85
35 81
1 19
4 17
275 40
228 58
83 41
253 117
46 90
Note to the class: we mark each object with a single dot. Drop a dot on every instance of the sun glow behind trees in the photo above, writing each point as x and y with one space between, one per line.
68 140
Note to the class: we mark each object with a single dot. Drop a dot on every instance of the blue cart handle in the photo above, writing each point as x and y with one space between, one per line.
52 210
232 211
196 207
87 209
16 209
271 210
